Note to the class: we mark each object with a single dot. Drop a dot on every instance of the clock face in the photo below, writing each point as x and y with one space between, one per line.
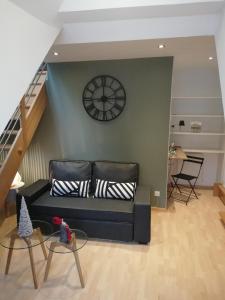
104 98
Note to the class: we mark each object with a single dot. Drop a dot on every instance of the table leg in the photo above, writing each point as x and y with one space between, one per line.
40 237
78 263
50 254
12 241
32 262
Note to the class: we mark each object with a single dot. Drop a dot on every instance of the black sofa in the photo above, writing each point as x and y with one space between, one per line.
100 218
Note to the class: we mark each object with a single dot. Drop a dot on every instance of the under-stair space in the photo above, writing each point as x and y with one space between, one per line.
19 131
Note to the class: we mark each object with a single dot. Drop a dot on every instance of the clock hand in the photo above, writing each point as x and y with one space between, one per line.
91 99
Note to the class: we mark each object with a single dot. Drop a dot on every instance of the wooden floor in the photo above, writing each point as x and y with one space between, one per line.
185 260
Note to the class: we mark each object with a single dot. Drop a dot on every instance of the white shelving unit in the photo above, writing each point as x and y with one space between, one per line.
208 143
198 133
204 151
199 116
208 111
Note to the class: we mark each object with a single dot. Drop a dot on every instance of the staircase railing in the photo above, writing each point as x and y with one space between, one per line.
15 120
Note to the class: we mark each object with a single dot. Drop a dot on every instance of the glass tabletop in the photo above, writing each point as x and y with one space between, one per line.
78 241
41 232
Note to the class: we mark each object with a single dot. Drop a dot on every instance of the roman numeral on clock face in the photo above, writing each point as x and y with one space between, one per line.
112 114
103 79
119 98
118 106
104 116
95 83
90 108
96 113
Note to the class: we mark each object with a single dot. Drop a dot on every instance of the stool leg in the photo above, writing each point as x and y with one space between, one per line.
12 241
49 260
78 264
40 237
30 250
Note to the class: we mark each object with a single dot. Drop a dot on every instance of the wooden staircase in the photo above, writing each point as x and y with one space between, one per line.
18 133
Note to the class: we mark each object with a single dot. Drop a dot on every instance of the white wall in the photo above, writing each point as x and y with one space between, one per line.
24 43
220 48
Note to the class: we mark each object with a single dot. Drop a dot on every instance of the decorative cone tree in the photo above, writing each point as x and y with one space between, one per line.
25 226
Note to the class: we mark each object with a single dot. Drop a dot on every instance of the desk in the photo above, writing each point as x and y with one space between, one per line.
180 154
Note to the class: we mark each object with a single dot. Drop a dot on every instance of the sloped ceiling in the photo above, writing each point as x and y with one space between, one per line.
113 29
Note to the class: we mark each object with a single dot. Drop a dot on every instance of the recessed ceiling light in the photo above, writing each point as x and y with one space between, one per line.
161 46
211 57
55 53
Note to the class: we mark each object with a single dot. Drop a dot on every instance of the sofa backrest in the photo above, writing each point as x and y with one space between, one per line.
70 170
86 170
114 171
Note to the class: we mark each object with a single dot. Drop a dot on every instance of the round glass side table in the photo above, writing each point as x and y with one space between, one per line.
78 241
41 232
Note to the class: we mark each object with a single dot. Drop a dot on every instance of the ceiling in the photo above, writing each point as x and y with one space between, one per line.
187 52
119 29
83 11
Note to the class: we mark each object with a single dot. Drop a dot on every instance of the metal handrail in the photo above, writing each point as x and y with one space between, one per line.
17 111
40 71
9 124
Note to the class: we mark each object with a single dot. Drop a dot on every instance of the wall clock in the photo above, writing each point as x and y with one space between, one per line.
104 98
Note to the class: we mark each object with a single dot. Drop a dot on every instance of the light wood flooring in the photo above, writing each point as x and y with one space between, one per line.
185 261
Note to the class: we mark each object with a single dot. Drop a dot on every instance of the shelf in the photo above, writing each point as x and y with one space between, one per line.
199 98
198 116
196 133
204 151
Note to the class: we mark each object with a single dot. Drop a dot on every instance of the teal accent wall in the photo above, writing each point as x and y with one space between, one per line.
139 134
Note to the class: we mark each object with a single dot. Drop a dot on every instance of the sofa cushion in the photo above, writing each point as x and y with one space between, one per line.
83 208
69 170
114 171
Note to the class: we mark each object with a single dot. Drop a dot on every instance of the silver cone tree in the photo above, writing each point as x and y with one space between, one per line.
25 226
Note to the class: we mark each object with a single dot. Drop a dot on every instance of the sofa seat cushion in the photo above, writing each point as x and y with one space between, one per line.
83 208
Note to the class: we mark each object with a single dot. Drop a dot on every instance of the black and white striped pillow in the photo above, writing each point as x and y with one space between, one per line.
115 190
70 188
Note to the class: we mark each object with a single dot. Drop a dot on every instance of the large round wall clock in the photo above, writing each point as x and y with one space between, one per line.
104 98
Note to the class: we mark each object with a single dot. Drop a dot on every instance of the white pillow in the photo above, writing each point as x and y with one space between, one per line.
115 190
70 188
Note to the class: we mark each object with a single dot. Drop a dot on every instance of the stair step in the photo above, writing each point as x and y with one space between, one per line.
30 95
6 147
43 72
11 131
37 83
7 138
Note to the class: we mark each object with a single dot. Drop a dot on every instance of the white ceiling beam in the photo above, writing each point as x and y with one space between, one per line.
76 12
125 30
87 5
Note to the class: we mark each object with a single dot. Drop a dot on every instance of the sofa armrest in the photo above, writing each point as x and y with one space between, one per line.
31 193
142 215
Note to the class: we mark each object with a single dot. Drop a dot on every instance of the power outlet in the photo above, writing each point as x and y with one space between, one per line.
157 193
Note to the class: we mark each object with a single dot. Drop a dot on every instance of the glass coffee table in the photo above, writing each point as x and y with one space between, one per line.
78 241
41 232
